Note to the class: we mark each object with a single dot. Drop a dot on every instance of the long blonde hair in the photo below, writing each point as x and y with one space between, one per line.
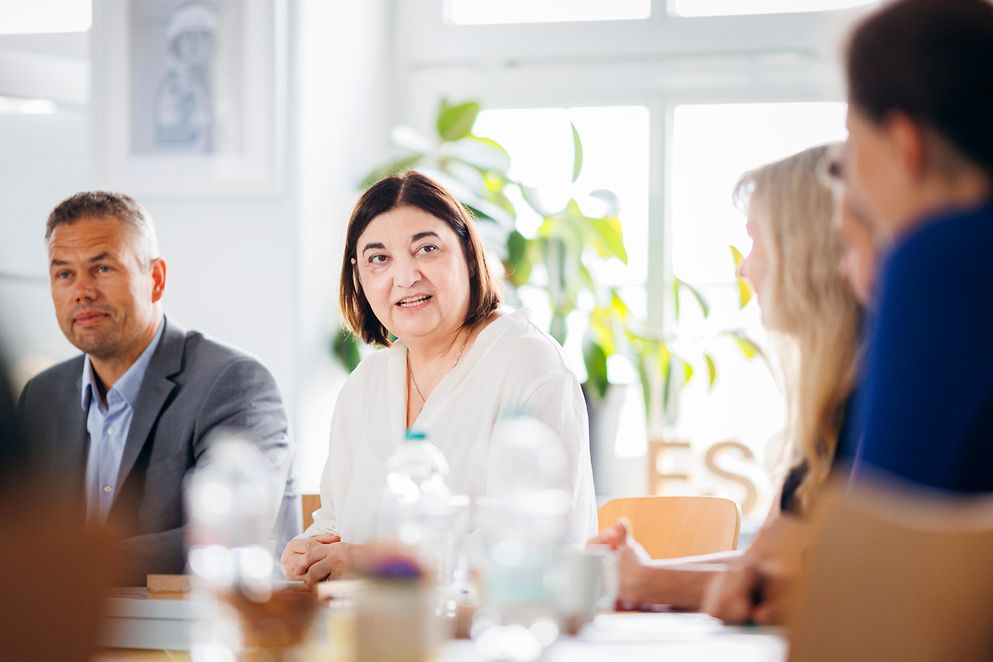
809 301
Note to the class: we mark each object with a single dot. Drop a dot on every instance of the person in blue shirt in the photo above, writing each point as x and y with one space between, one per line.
920 156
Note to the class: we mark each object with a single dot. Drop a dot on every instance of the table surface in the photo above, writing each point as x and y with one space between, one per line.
631 637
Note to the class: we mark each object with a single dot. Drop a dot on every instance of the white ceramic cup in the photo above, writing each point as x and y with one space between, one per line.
583 583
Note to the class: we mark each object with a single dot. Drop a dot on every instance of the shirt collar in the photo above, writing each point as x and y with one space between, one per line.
130 382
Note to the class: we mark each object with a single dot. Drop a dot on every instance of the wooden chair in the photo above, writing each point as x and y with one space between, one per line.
309 503
673 526
894 576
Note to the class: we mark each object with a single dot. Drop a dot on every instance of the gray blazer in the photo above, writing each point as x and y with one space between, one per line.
193 387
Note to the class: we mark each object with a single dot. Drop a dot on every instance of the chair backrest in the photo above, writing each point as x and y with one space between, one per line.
309 503
674 526
893 576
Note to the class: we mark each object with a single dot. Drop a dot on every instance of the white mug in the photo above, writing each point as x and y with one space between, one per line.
583 583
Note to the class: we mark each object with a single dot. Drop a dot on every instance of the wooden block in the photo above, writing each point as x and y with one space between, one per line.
168 584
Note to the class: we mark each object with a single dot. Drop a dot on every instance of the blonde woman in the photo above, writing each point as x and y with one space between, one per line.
794 266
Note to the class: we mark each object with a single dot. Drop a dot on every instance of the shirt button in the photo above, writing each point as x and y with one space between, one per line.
110 430
107 489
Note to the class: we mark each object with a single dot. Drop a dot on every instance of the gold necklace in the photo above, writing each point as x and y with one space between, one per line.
410 371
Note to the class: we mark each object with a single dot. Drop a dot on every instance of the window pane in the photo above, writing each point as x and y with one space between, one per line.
738 7
480 12
712 146
43 16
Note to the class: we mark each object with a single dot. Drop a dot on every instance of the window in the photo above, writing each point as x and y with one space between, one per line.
43 16
478 12
740 7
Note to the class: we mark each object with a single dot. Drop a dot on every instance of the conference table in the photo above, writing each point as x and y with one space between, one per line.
143 629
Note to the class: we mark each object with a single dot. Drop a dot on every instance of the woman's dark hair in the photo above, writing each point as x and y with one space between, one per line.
412 189
933 60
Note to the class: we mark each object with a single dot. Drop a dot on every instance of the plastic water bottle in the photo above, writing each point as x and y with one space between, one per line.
231 503
524 523
416 510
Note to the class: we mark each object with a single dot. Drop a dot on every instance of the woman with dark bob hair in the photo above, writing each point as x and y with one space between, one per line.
920 156
414 269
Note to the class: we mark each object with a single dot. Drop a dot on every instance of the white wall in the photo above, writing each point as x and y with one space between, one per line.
43 158
343 116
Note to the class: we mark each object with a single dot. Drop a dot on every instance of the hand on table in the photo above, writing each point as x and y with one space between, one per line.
295 557
748 593
759 588
328 561
632 562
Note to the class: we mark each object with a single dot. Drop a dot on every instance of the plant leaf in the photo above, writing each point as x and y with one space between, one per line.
533 197
746 345
711 370
455 122
737 257
596 368
744 292
611 202
697 294
744 287
602 327
482 153
619 306
675 299
409 139
646 384
345 348
608 235
557 327
577 153
392 168
517 247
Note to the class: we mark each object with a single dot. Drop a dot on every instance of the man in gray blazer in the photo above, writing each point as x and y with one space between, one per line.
124 422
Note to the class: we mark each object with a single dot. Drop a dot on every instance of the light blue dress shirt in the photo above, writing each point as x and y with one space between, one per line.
108 429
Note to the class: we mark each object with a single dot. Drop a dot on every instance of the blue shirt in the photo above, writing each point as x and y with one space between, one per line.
927 401
108 427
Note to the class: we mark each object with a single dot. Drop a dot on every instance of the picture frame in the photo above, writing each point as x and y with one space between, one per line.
189 96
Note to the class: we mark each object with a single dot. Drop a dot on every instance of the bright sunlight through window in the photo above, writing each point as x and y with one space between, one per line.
475 12
44 16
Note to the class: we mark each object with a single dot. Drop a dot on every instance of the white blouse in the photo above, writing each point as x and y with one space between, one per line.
512 366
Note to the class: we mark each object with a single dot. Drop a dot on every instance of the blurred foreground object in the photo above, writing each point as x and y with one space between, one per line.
419 512
897 575
51 570
231 502
395 610
43 587
524 527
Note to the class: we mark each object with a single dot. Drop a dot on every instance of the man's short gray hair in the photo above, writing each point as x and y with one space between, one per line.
103 204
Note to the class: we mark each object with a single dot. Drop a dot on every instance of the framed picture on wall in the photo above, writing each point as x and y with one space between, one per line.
189 96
